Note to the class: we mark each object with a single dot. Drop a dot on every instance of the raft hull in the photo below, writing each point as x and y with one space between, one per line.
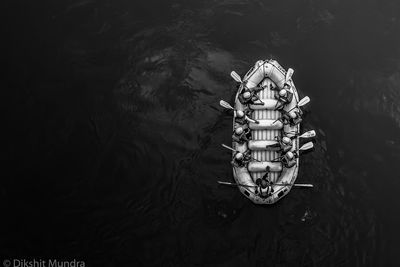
270 75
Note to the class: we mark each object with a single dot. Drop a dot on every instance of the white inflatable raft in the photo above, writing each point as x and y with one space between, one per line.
268 74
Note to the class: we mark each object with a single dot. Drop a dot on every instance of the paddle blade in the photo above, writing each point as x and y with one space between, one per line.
236 76
225 104
308 134
303 101
289 74
307 146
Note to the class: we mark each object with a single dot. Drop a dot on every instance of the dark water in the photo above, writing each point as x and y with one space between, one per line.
113 130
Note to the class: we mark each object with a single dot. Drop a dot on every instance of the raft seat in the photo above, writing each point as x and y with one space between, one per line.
266 125
260 145
255 166
269 104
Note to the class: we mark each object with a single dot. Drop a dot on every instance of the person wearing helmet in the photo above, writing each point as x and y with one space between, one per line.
250 97
243 117
241 134
264 183
241 159
295 116
289 159
284 96
285 143
285 117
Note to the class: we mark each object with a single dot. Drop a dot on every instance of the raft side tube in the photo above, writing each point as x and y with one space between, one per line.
263 145
255 166
266 125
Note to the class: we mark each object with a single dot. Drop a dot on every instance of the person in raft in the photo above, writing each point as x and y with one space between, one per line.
289 159
264 183
295 116
241 159
242 117
285 143
250 97
284 96
241 134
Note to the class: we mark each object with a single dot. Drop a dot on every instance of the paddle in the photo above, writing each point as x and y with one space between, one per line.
236 77
297 185
308 134
225 104
228 147
244 185
234 184
304 147
289 74
301 103
305 100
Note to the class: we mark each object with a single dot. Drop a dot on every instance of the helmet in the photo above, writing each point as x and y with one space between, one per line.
282 92
290 155
246 94
286 140
292 114
239 113
239 156
264 184
239 130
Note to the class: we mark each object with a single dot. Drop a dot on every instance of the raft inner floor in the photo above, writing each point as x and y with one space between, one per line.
265 155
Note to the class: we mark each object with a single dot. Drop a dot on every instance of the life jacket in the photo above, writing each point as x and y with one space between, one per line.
298 118
284 99
285 147
285 119
289 163
243 137
242 120
253 97
266 193
242 163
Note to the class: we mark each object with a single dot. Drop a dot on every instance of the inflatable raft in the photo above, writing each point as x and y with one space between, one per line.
271 77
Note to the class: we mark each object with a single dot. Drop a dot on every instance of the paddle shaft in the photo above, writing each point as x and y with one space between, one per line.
243 185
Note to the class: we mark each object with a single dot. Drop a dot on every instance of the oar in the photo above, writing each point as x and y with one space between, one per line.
236 77
297 185
289 74
304 147
305 100
234 184
244 185
225 104
308 134
228 147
